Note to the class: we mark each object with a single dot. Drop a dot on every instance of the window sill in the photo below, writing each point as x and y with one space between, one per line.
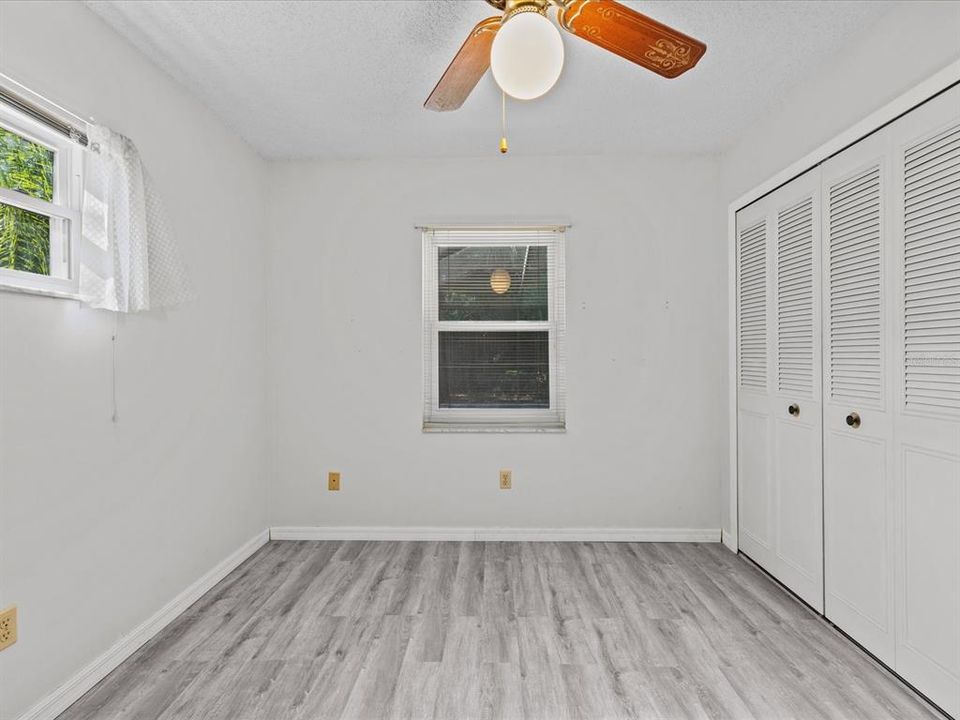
43 292
492 428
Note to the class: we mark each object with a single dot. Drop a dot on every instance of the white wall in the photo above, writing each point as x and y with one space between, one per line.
645 446
102 524
906 46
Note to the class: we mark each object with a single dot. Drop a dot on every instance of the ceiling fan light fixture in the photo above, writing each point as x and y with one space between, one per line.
527 55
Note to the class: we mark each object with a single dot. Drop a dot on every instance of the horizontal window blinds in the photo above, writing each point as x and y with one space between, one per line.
493 328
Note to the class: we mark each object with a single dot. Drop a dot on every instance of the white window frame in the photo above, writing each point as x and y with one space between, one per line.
64 278
552 419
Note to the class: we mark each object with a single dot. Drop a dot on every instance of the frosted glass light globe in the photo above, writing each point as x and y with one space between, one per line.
527 56
500 281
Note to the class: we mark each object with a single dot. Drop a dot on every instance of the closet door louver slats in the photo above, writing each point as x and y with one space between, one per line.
795 298
931 273
752 275
854 271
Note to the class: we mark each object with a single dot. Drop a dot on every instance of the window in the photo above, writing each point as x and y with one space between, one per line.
493 328
39 205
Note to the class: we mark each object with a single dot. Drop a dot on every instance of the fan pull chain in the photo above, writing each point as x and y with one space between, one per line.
503 122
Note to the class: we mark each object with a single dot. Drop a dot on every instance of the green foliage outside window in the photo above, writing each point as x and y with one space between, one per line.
25 236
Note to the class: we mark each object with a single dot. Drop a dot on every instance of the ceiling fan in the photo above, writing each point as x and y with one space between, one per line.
525 51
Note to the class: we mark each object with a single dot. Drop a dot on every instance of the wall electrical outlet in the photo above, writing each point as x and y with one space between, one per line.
506 480
333 481
8 627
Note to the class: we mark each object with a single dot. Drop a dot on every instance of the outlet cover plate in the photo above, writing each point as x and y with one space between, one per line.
8 627
506 480
333 481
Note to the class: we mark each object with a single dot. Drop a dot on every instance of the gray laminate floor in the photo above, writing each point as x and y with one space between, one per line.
377 630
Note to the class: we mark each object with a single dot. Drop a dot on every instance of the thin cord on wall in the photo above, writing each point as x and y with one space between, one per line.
116 332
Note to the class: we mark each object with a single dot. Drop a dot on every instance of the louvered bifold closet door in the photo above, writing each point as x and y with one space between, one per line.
796 406
926 147
779 386
755 321
857 441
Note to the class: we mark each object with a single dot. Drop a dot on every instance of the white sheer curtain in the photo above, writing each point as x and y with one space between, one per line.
130 259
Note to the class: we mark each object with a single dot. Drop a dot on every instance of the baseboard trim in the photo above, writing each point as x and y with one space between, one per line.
74 688
730 540
495 533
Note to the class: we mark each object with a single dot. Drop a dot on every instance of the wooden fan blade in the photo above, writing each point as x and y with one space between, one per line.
633 36
466 69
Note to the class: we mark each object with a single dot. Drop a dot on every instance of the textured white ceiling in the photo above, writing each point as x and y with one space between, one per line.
348 78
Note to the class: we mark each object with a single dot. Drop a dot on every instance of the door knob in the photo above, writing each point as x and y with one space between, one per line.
853 420
794 410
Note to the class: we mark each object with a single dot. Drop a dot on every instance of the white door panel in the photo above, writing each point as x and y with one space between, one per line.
755 495
799 506
931 582
857 444
780 489
859 581
926 150
755 442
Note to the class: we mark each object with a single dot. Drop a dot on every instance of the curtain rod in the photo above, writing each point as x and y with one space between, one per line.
37 113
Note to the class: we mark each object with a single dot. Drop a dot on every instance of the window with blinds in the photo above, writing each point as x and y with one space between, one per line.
854 334
493 323
931 272
752 296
